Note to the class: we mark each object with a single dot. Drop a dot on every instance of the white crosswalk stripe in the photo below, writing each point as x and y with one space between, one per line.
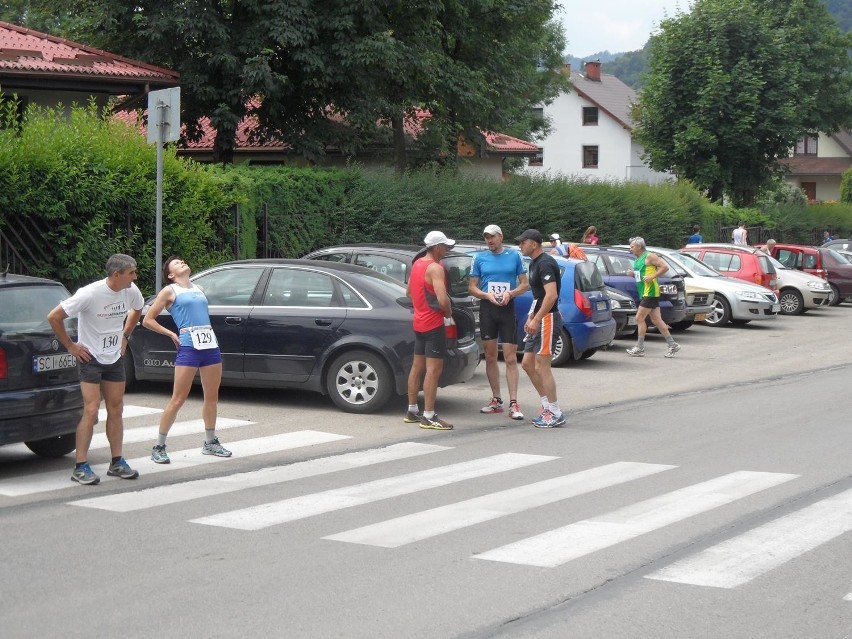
561 545
130 410
55 480
270 514
149 432
174 493
423 525
751 554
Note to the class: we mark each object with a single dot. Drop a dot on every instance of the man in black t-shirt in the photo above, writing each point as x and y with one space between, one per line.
542 326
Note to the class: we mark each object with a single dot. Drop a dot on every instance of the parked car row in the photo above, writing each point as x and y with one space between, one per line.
339 323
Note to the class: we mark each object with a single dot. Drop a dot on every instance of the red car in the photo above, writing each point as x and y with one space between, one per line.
743 262
822 262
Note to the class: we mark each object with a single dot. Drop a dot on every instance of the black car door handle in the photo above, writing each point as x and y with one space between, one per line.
322 322
233 320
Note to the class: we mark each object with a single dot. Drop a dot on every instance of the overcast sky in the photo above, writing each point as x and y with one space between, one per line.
613 25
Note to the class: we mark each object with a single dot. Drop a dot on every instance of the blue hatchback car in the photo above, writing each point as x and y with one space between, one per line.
587 322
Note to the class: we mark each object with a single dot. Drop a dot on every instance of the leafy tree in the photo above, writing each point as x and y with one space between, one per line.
300 66
735 83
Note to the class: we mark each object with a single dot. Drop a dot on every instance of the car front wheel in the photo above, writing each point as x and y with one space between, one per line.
53 447
359 382
792 302
721 313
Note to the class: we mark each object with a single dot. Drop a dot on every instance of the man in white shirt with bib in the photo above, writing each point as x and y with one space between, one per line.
107 311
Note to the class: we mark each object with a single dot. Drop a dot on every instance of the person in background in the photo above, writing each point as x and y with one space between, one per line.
740 235
770 244
107 312
826 237
542 326
696 237
647 268
590 236
497 277
569 249
427 288
197 351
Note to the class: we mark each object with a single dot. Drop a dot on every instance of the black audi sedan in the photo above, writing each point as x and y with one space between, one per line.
40 399
338 329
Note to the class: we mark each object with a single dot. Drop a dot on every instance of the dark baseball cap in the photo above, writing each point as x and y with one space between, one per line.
530 234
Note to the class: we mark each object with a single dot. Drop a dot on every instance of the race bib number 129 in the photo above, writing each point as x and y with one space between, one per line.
203 338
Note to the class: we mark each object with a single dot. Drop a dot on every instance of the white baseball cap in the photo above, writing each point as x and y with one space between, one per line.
434 238
492 229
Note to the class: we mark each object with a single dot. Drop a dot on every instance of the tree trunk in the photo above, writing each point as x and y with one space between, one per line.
400 153
717 192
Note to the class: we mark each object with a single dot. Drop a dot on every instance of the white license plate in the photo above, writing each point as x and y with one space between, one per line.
776 308
601 306
50 363
668 289
631 320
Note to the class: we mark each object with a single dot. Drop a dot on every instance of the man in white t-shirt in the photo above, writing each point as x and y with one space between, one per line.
107 311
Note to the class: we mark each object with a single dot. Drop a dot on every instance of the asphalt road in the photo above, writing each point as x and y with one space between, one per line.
709 495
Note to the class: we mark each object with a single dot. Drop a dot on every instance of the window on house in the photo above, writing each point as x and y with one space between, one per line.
538 160
590 157
590 116
806 146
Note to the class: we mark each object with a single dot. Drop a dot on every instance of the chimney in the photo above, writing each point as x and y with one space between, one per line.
566 70
593 70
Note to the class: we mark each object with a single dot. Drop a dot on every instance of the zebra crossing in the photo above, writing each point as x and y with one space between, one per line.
726 565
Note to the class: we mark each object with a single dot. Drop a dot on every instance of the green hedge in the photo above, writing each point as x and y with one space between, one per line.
83 187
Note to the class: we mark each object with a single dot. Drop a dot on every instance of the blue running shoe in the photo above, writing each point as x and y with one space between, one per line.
85 475
159 454
215 448
548 420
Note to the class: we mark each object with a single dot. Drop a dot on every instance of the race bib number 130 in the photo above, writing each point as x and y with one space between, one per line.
203 338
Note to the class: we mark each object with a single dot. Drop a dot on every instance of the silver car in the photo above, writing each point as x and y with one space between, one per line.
799 290
734 301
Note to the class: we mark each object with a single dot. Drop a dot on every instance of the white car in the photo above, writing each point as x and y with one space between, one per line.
799 290
734 301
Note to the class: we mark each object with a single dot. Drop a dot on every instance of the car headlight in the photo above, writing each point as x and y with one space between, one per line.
748 295
615 303
818 285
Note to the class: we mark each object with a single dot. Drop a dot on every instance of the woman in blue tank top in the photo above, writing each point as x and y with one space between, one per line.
197 350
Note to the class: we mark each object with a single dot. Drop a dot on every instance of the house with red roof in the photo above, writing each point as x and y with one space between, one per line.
46 70
485 159
817 165
592 131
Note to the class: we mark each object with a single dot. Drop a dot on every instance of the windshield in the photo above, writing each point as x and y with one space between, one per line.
778 265
693 265
24 309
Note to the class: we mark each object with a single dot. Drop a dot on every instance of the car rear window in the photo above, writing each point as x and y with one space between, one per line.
722 262
24 309
587 277
458 267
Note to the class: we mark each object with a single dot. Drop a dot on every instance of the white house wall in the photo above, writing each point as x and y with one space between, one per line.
618 155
